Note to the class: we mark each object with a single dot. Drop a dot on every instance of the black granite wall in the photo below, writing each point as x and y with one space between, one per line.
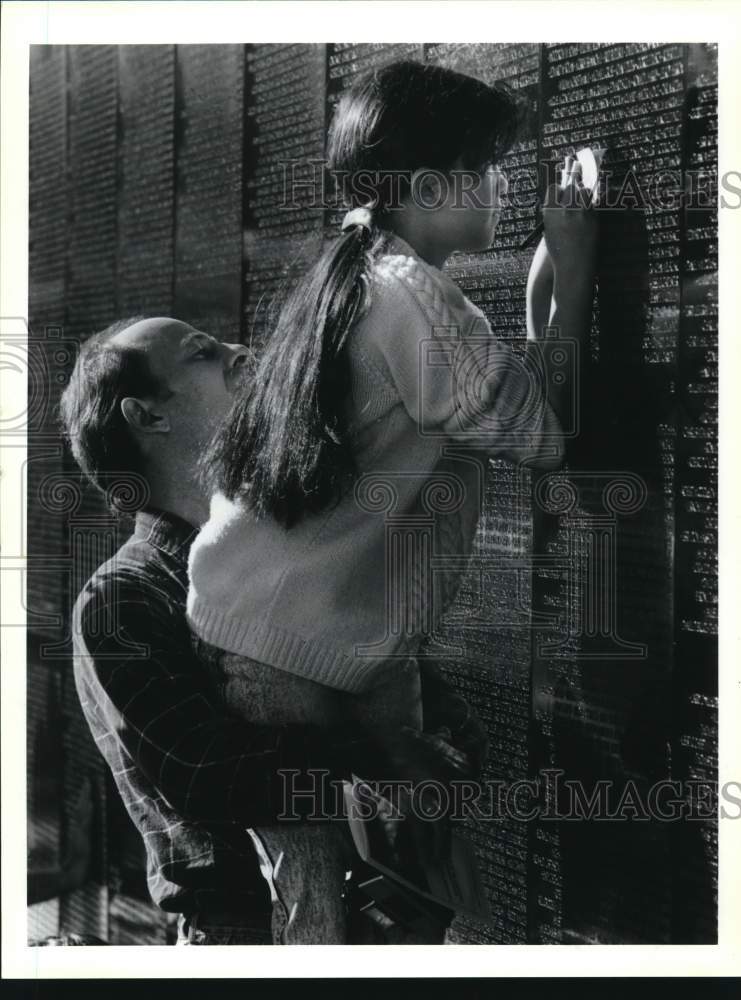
586 630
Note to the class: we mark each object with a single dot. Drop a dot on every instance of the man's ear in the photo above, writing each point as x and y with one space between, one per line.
142 415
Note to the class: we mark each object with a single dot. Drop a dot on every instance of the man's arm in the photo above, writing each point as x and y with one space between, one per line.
145 689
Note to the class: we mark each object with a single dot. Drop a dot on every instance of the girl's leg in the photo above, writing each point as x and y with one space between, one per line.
304 867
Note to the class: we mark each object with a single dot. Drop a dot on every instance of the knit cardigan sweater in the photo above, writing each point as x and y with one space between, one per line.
344 594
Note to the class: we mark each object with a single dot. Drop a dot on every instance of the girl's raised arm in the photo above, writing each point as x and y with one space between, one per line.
455 379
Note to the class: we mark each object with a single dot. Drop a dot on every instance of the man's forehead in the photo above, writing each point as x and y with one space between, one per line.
154 332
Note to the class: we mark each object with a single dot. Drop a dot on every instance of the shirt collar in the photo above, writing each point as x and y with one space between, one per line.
165 531
398 245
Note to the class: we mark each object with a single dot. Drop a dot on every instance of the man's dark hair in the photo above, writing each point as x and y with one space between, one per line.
90 410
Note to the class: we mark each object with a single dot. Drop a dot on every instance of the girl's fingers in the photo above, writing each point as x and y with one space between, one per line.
583 195
576 174
577 184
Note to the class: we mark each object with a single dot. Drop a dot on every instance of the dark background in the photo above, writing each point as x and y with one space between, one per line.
585 634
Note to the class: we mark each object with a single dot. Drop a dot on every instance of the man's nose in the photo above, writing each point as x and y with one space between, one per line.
238 356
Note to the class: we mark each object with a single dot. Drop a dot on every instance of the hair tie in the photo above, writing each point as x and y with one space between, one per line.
358 217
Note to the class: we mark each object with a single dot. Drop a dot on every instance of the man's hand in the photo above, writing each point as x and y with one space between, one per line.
419 757
450 718
417 822
464 732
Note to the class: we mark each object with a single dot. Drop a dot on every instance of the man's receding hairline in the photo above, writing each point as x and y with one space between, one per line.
162 321
110 341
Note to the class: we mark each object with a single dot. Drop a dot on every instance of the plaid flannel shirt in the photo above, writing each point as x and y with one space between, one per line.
192 777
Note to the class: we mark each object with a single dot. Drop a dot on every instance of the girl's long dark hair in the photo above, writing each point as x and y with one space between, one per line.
284 447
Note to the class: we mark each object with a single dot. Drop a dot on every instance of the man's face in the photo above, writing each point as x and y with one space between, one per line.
200 374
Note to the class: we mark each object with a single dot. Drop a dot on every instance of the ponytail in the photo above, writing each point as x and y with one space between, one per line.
283 449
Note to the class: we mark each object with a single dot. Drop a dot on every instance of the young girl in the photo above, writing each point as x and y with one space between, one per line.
351 478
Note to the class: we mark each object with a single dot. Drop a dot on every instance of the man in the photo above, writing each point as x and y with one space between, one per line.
144 401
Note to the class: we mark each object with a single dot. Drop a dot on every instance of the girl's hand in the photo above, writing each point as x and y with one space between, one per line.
570 225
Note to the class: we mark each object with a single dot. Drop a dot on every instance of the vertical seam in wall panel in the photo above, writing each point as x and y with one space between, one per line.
116 273
118 185
244 201
677 698
175 143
